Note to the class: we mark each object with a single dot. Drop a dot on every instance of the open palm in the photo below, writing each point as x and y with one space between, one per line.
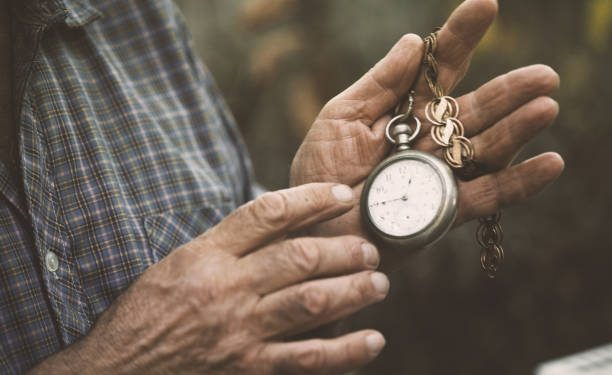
346 141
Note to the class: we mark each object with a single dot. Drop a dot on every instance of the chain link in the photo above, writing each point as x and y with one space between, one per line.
443 113
398 130
429 60
490 236
408 112
449 133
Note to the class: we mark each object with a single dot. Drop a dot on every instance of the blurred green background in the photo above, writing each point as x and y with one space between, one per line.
278 61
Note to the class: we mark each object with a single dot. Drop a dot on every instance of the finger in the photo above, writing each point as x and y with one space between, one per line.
300 259
486 195
504 94
275 214
497 146
332 356
458 38
501 96
381 87
302 307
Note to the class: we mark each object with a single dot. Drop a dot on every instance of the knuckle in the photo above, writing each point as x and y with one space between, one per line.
362 288
489 194
497 192
253 356
305 256
314 301
311 358
317 198
340 108
353 244
518 193
346 109
359 110
271 208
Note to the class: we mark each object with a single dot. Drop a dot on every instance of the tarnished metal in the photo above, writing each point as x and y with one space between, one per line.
490 236
446 213
400 133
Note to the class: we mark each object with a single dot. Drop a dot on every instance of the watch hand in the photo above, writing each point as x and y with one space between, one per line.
402 198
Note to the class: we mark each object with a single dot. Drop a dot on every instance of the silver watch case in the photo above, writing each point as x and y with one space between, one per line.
437 228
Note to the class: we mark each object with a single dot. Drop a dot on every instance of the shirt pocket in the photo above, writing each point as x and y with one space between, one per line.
169 230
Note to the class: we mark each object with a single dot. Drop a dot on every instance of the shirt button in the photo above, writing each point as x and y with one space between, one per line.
51 261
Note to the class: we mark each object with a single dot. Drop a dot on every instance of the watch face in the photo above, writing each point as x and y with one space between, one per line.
405 197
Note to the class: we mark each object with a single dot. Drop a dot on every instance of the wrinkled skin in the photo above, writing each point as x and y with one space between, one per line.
226 304
346 141
229 304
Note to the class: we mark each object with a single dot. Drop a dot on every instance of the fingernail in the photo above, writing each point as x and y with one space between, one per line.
380 282
375 342
343 193
370 255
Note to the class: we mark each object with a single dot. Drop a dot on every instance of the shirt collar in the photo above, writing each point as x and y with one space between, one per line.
73 13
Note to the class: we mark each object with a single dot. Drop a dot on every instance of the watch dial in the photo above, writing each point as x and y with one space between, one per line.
405 197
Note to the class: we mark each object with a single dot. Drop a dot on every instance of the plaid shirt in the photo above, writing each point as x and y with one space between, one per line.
125 151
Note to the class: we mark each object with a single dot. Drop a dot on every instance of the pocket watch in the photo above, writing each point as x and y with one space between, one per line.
409 201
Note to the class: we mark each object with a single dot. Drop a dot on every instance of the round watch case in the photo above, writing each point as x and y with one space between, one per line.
438 227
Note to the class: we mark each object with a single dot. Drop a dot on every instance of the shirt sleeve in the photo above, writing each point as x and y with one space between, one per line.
252 188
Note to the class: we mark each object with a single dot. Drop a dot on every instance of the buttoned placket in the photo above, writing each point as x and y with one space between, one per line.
30 23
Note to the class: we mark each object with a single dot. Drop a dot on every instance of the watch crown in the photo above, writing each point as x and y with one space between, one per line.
401 129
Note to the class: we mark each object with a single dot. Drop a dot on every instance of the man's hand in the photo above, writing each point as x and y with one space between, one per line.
225 302
347 141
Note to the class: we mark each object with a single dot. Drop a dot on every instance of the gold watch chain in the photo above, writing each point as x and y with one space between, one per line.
458 151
